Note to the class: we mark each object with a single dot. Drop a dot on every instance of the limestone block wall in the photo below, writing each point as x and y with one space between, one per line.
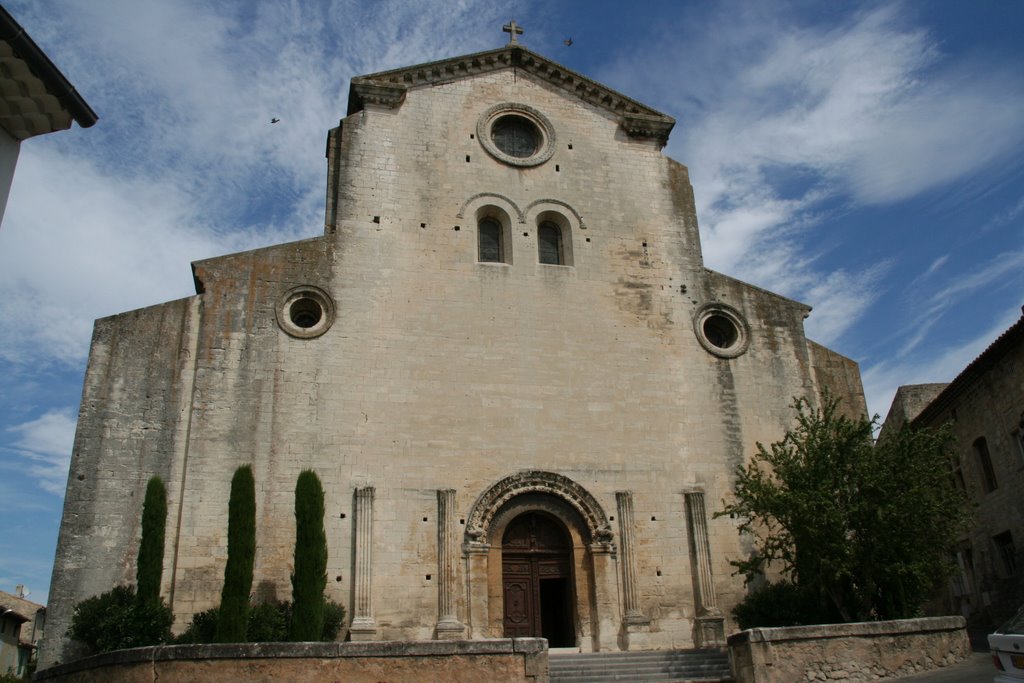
867 651
441 372
132 424
520 659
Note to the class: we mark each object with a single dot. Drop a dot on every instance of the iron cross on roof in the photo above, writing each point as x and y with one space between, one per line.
512 29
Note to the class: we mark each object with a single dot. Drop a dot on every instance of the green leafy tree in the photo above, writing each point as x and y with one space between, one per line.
310 577
861 530
150 566
233 617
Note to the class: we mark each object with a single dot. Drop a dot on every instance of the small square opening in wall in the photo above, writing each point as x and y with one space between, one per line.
472 136
462 521
588 239
376 219
423 225
557 169
467 158
424 519
526 234
428 577
570 145
341 516
456 228
653 518
611 519
658 572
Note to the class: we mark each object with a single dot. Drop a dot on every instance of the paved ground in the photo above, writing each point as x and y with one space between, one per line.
975 669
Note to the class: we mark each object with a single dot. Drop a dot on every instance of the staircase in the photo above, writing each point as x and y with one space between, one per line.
663 666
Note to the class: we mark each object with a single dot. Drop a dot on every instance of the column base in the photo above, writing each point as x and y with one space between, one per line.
363 629
710 631
449 630
635 633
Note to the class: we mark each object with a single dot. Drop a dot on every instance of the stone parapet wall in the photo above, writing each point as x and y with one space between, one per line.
518 659
850 652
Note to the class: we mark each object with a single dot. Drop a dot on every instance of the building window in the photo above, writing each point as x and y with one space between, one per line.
1007 551
490 240
985 461
516 136
549 243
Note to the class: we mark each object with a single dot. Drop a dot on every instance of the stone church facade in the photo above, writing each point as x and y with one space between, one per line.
523 392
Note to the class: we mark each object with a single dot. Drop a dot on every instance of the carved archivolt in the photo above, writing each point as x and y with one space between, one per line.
557 202
536 481
492 195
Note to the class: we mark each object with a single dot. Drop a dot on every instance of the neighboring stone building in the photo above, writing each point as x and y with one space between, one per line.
985 404
21 629
35 98
522 389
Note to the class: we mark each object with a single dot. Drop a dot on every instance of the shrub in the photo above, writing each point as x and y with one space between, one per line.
268 623
779 604
150 565
202 629
310 577
233 619
115 620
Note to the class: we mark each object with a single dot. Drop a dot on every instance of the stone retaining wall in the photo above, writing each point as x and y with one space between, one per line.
519 659
849 652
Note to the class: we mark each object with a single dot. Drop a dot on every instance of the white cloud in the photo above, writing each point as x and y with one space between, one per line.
45 445
784 122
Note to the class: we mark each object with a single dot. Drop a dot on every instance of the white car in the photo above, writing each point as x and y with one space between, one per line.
1007 646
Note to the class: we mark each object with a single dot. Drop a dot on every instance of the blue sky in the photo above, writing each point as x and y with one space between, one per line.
865 158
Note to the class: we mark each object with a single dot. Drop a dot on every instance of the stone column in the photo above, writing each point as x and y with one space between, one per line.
364 627
477 554
710 622
606 599
627 545
448 625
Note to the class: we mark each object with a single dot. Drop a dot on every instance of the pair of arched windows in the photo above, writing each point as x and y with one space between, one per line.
493 248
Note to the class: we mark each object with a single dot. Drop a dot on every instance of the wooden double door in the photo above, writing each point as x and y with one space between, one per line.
537 584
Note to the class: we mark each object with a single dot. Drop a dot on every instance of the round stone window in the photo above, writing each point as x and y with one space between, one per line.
305 312
516 134
721 330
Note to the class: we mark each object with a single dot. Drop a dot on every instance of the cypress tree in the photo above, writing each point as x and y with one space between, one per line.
233 618
310 577
150 566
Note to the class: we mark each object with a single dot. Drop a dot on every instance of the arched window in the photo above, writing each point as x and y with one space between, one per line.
549 243
491 247
985 460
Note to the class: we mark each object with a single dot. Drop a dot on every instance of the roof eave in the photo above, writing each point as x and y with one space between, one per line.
388 88
37 62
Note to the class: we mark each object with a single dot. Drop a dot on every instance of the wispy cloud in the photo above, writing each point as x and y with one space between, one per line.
184 163
882 379
44 444
785 122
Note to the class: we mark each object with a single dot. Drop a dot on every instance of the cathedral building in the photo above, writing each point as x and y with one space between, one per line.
523 392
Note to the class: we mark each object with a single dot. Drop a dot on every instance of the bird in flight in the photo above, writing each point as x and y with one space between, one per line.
568 41
274 120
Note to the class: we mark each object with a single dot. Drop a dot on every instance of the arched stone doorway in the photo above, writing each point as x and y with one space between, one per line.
550 524
537 579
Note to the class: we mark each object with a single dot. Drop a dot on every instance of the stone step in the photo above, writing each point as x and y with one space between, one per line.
675 666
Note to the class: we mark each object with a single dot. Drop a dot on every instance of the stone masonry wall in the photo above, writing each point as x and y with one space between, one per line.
850 652
441 372
504 661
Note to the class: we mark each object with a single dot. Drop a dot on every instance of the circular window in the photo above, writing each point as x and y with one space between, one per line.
305 312
516 134
721 330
